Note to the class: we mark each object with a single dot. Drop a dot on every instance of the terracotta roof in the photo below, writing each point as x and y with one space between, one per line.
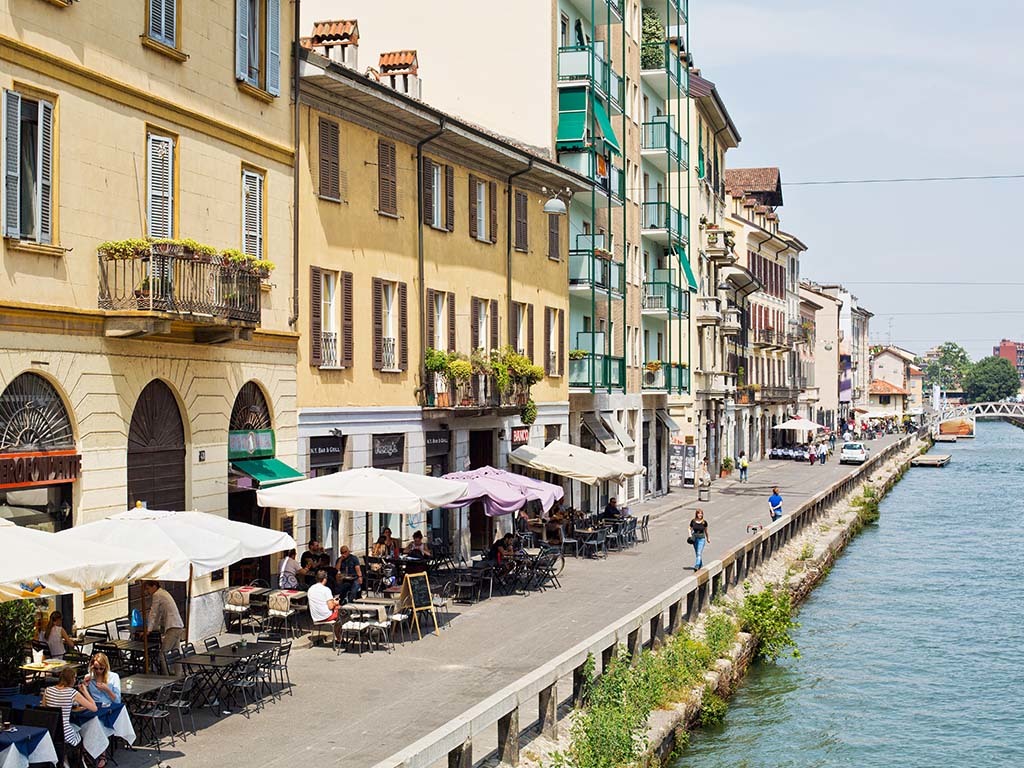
306 42
763 183
914 370
882 387
343 31
748 203
398 62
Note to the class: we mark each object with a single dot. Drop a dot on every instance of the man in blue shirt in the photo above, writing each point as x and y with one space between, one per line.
775 504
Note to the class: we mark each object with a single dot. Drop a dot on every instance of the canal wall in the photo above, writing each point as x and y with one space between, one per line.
533 715
799 565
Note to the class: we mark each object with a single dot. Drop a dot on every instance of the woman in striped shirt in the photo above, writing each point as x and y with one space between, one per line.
66 696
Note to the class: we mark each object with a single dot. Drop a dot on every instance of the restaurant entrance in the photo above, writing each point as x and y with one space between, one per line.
481 454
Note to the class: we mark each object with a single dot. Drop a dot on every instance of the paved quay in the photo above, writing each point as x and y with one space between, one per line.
354 711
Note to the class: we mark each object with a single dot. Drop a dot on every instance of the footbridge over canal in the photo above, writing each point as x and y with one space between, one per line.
960 420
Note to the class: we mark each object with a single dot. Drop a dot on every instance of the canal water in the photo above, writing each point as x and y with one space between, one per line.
913 647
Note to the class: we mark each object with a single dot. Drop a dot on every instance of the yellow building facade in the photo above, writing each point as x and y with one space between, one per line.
423 240
146 263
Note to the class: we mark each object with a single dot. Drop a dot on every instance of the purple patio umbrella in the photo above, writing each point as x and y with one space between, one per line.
536 490
498 497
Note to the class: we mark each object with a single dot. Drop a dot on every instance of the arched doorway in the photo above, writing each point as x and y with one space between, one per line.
156 450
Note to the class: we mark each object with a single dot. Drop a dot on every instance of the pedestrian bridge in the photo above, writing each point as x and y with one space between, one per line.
960 419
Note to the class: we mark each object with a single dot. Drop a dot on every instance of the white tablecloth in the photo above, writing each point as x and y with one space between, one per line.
95 734
44 753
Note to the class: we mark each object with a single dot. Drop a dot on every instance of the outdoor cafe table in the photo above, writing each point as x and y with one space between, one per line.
96 728
25 744
211 671
238 651
143 685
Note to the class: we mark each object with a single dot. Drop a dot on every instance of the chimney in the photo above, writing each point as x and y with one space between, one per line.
337 41
400 70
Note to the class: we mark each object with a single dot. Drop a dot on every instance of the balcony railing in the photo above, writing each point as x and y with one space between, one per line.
664 217
598 372
731 321
659 135
478 391
661 58
329 347
778 394
666 297
586 269
173 280
584 62
389 356
670 377
708 310
586 163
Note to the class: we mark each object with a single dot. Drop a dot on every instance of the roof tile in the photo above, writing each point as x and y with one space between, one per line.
341 31
399 62
883 387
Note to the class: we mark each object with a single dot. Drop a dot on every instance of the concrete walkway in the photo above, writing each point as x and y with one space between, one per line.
355 711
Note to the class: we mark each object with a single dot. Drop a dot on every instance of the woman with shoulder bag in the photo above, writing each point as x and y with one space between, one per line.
698 537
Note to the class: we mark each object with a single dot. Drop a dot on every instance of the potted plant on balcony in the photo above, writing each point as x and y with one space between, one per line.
435 362
727 466
461 371
653 366
578 354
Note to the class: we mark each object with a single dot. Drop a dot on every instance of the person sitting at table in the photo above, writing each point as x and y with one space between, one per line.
56 637
611 510
417 547
350 574
65 696
322 605
523 522
313 551
501 549
391 546
290 572
103 684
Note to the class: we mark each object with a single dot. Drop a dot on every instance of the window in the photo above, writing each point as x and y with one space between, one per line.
522 230
160 185
554 236
554 341
28 168
563 32
258 44
435 181
884 399
330 302
252 213
483 210
438 195
522 327
162 24
328 151
387 178
390 326
441 320
483 321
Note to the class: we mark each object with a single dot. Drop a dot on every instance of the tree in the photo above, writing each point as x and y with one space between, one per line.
991 379
949 369
17 624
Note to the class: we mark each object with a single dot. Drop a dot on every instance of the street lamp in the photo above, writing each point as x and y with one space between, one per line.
555 205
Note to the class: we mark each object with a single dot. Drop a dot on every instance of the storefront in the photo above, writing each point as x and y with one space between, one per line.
438 449
326 457
387 452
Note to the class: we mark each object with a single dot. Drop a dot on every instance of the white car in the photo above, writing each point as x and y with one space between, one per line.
853 453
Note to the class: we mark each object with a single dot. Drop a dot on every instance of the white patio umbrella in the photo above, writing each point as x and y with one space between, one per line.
577 463
799 424
36 563
385 491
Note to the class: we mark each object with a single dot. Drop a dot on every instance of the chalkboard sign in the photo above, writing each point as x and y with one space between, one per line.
416 595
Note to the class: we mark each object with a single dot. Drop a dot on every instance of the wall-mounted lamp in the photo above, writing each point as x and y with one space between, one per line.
556 204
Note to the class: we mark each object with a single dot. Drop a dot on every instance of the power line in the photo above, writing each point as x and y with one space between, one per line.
905 180
943 314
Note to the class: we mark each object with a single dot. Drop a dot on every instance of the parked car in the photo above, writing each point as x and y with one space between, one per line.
853 453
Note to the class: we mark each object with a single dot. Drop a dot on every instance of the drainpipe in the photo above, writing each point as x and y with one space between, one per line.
508 244
296 47
422 291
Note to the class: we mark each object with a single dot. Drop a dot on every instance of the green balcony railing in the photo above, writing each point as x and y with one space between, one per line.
584 63
616 89
662 216
666 297
659 135
662 57
585 162
666 377
587 269
598 372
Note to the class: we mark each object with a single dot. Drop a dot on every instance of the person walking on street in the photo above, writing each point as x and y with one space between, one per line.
698 537
744 465
775 504
812 456
822 453
164 618
832 441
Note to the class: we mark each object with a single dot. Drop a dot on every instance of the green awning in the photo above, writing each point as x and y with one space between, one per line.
691 281
268 472
572 118
605 124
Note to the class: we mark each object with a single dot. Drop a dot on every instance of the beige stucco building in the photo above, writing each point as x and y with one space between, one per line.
140 363
819 355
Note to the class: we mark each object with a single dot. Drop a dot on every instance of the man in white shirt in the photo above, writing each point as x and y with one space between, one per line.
165 618
322 605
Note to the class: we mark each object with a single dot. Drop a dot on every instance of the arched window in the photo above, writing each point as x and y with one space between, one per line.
33 417
250 411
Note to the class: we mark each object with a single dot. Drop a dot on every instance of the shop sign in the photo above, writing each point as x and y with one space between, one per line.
251 444
20 470
388 449
326 451
439 442
520 436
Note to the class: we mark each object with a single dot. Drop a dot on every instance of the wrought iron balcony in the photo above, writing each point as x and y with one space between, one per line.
665 299
588 269
329 347
478 392
663 223
778 395
389 354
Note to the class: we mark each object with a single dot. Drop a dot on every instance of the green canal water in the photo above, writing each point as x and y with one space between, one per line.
913 647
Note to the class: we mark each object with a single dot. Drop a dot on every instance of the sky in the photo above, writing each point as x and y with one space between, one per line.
885 89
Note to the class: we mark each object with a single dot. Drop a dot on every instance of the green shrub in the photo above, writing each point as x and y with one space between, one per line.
712 708
808 551
768 616
719 634
17 627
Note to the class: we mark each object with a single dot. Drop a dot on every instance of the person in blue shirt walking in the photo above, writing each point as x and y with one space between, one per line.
775 504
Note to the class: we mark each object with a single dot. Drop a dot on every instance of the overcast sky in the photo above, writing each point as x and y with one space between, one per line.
882 89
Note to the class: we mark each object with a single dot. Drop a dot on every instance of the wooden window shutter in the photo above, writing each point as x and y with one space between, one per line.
347 321
451 322
316 349
428 191
387 178
378 324
472 206
449 201
431 319
560 314
12 164
46 172
547 341
162 23
494 325
403 327
242 40
554 237
273 82
474 324
330 184
492 200
521 223
252 214
529 332
160 186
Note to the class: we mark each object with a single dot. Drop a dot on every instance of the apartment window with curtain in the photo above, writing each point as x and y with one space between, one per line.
162 22
252 213
258 44
28 151
390 326
330 318
160 185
